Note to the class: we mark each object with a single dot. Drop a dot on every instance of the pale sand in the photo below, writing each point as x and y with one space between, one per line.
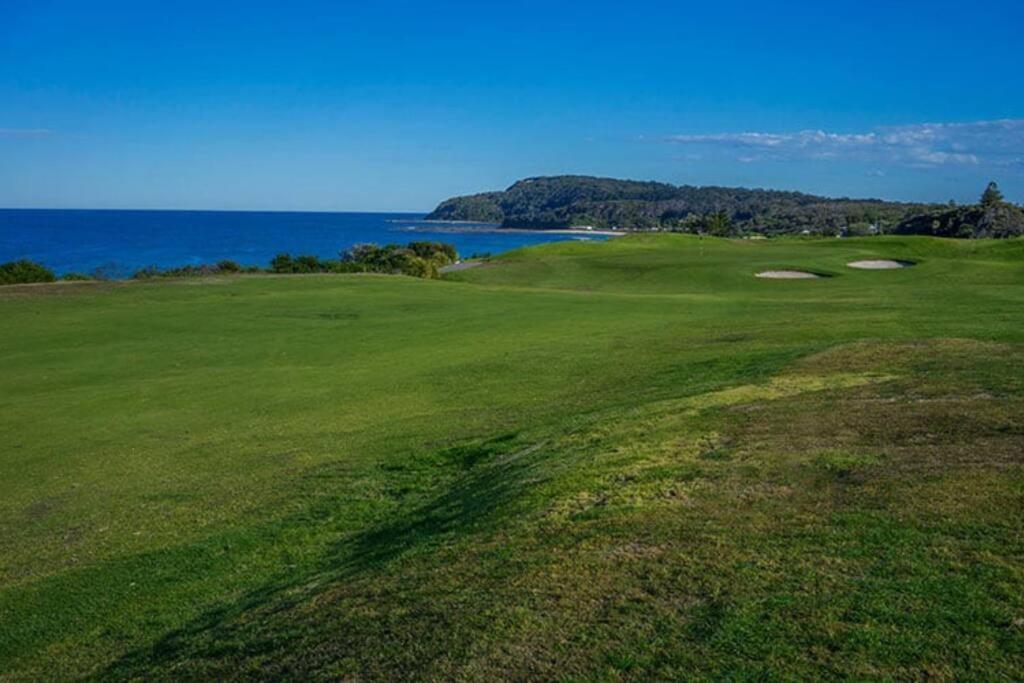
461 265
878 264
787 275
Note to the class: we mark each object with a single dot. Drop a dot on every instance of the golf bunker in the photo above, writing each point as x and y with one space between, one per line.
878 264
787 275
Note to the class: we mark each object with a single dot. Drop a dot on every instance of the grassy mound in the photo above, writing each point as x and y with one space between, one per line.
619 460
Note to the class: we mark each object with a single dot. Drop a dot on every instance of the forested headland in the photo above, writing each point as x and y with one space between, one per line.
560 202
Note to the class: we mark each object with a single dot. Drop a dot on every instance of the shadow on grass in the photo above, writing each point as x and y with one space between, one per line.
490 480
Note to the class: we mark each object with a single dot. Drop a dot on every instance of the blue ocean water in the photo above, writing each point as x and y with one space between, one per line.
117 243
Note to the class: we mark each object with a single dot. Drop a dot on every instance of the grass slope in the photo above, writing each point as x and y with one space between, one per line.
582 461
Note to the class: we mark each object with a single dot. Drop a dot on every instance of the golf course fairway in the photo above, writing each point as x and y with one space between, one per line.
628 460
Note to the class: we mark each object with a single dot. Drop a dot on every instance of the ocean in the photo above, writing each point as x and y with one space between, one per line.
117 243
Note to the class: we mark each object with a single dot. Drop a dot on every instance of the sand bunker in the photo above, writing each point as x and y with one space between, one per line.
878 264
787 275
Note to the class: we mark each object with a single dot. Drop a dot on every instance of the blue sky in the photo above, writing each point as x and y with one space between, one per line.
396 105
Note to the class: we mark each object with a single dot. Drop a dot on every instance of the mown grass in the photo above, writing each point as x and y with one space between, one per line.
628 460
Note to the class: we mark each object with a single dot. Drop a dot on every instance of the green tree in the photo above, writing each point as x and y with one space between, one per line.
719 224
991 196
283 263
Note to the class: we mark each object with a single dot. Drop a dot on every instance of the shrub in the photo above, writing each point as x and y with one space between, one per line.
109 271
23 272
282 263
146 273
418 259
75 276
434 250
220 268
307 263
285 263
361 253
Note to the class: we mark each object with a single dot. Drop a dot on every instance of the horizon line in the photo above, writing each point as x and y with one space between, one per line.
165 209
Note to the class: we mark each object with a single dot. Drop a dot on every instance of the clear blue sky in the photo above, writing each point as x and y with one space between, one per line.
396 105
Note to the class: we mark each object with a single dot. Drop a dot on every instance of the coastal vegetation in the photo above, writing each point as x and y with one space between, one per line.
225 267
417 259
24 272
568 201
422 259
626 460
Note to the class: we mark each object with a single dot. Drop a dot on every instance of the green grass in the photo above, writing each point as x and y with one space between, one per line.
617 461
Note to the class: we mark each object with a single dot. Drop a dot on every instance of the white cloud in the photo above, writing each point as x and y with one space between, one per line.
928 156
999 143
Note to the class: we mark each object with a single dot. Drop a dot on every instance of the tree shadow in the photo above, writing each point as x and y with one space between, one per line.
257 623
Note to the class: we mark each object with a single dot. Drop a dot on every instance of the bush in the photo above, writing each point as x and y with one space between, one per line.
434 250
282 263
70 277
227 266
417 259
306 263
23 272
109 271
361 253
220 268
285 263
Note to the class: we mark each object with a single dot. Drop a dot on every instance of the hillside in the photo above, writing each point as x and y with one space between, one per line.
565 201
627 460
990 217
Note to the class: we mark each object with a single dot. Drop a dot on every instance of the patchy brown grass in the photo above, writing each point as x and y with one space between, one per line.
870 529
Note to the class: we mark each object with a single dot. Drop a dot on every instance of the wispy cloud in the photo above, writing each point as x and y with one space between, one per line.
996 143
25 132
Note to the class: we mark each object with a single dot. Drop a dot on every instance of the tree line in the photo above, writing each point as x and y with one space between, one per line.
573 201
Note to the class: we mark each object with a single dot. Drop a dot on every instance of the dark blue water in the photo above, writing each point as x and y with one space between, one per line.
117 243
